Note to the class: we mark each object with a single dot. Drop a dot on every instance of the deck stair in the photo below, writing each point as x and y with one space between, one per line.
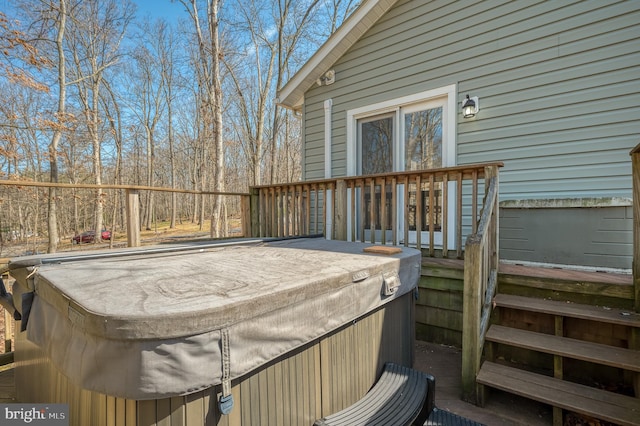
560 342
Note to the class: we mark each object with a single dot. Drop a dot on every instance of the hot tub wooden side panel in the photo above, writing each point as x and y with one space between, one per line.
323 377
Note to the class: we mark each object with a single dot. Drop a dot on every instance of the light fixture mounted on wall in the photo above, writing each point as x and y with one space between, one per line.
327 78
470 107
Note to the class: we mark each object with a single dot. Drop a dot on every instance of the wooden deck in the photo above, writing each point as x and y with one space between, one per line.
567 274
7 386
535 271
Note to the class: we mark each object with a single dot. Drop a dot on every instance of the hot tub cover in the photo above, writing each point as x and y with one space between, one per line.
151 323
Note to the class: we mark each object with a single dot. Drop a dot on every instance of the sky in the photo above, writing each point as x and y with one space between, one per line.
167 9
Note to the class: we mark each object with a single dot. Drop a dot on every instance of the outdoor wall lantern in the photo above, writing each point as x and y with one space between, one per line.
470 107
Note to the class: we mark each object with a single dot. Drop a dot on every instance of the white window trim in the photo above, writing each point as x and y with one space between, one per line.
328 108
328 104
393 105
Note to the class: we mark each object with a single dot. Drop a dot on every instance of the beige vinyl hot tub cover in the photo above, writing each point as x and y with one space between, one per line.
148 324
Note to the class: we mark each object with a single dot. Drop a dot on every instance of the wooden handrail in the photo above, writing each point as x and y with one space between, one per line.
466 169
480 281
133 201
113 186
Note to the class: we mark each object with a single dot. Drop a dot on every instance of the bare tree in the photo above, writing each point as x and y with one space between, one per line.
148 99
98 30
168 71
259 68
114 118
20 54
61 23
85 130
208 74
337 11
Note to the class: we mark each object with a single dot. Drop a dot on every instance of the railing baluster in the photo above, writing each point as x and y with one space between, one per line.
474 202
324 211
419 211
372 212
432 222
272 207
317 208
279 207
394 210
307 201
407 182
284 210
295 214
362 209
334 224
352 187
459 215
445 215
383 210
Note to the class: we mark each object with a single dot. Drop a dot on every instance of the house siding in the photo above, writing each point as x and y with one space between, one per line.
558 84
526 233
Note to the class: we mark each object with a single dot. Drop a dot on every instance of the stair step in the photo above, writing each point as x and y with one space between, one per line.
567 309
613 356
609 406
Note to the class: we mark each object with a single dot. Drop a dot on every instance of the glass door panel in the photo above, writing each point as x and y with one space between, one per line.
422 143
423 139
376 140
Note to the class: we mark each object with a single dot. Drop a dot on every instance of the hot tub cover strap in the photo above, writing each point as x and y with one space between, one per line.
27 301
226 399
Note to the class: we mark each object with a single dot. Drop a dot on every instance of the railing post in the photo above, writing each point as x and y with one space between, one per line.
341 218
480 281
245 215
133 218
634 342
491 172
635 176
252 226
471 309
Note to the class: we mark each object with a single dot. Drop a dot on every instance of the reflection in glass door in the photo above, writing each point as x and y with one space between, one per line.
423 134
376 140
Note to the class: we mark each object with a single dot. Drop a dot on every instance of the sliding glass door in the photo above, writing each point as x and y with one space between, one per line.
405 137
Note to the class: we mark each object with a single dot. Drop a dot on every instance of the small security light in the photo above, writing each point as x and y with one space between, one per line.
470 107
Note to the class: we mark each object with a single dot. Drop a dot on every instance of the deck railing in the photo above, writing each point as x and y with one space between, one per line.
442 204
480 281
432 210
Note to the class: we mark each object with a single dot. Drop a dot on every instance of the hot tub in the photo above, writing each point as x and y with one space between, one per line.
268 332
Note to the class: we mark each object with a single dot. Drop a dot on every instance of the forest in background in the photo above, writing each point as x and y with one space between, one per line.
96 93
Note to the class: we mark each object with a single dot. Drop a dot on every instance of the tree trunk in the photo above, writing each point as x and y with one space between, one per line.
218 175
57 133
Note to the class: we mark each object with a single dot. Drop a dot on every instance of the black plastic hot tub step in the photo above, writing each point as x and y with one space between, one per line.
445 418
401 397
